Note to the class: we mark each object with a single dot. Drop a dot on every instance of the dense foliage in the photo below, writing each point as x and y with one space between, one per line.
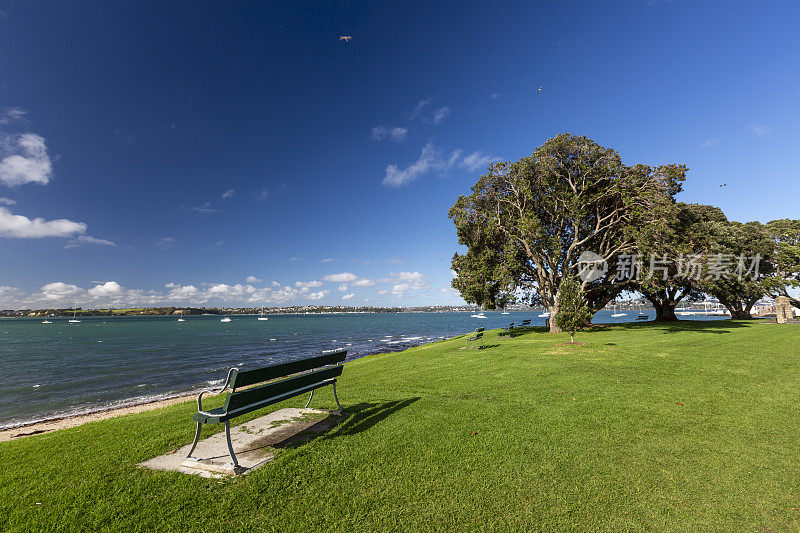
527 226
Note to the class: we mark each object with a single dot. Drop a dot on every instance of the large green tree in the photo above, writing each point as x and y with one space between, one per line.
672 263
748 250
784 236
526 223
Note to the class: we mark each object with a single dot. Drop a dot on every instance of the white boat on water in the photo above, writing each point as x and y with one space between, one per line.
261 316
479 315
46 322
226 319
181 320
546 314
615 314
74 319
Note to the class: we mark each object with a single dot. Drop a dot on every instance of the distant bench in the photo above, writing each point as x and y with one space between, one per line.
642 318
509 331
290 379
475 338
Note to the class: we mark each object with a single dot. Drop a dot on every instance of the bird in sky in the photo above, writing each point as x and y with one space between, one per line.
724 185
539 89
346 38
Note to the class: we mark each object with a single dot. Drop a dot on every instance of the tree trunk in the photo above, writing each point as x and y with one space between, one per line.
551 320
665 311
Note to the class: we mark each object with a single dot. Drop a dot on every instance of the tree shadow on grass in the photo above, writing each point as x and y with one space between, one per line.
355 419
717 327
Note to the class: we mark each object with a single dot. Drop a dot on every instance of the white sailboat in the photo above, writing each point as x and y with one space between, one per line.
74 319
225 319
616 314
46 322
546 314
261 316
505 312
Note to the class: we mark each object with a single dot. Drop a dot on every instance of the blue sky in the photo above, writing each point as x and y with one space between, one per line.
171 151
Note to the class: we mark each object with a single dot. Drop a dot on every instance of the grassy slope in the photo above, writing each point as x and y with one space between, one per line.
586 437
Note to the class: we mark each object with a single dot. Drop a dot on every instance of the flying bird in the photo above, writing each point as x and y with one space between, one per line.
346 38
539 89
724 185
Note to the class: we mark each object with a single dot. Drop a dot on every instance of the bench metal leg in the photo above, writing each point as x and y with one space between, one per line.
309 399
196 438
230 445
337 398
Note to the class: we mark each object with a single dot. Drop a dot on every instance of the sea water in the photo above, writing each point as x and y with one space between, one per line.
59 369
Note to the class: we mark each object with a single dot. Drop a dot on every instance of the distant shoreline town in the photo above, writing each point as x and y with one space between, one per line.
637 304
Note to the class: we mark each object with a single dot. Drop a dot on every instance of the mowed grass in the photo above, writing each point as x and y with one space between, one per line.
666 427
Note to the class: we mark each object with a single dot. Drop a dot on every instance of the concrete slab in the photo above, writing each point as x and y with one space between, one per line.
254 443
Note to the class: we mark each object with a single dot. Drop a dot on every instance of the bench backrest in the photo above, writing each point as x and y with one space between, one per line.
479 330
478 335
526 322
297 374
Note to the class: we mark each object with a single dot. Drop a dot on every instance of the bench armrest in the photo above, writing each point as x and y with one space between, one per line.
213 391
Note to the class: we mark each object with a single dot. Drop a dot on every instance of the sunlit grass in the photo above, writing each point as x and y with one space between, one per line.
677 427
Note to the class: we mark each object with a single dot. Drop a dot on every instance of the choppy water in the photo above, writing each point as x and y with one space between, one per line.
51 370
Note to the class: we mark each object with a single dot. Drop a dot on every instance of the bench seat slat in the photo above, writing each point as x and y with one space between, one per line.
219 414
279 370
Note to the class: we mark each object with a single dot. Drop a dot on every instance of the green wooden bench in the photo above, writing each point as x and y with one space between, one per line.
266 386
526 323
475 337
508 332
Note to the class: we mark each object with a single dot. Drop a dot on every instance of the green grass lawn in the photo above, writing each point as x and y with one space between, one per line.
668 427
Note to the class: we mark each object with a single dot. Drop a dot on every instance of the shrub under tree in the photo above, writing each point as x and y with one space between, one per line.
573 312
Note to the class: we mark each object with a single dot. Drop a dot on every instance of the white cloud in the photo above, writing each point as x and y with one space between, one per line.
710 142
307 284
27 161
327 260
11 114
408 281
86 239
423 112
60 291
183 292
204 209
262 195
109 289
294 259
318 295
420 107
441 114
342 288
476 160
348 296
383 292
252 279
342 277
760 130
21 227
7 201
429 160
363 282
228 194
393 261
396 134
494 96
165 243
